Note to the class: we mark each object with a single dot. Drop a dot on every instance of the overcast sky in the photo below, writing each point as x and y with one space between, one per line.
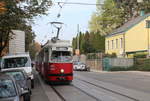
71 15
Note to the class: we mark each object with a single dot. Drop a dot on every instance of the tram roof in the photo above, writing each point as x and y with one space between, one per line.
59 43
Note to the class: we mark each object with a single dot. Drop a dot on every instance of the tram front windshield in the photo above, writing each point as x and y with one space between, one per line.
61 56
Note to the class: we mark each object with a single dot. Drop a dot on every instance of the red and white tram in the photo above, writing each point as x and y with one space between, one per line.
54 61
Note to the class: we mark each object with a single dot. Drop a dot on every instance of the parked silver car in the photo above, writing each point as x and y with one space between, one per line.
22 79
80 66
10 90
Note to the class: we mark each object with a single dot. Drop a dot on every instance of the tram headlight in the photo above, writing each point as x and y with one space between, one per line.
62 70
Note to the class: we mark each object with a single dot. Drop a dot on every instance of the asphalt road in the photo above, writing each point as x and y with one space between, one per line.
94 86
130 80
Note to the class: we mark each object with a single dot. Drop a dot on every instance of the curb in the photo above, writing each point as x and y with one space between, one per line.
138 72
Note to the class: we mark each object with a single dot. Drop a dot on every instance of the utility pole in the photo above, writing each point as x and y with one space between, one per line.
77 51
78 35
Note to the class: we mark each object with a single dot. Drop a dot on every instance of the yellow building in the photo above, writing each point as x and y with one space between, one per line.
131 38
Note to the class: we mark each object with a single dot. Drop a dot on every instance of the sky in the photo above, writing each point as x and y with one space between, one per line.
71 16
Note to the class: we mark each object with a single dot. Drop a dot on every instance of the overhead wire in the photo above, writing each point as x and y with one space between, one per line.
69 3
78 3
58 15
61 6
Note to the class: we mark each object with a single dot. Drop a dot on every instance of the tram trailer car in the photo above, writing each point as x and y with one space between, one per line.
54 61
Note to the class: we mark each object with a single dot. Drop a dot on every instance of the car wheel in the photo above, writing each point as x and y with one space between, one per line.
32 84
27 97
88 70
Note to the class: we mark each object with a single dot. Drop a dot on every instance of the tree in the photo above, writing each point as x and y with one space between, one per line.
107 18
34 48
2 7
88 48
81 42
18 15
74 44
29 37
132 8
90 42
114 13
98 42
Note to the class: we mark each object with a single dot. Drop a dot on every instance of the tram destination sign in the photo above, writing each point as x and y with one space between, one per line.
62 48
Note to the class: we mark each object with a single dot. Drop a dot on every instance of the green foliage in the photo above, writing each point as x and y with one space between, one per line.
98 42
119 69
132 8
140 65
113 55
107 18
89 42
19 15
29 37
94 56
115 13
140 55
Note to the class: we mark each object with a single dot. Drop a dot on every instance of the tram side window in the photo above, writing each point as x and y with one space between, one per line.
46 56
61 56
41 56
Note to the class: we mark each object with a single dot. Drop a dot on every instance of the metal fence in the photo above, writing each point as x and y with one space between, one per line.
117 62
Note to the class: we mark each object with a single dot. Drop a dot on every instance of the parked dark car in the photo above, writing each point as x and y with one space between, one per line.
80 66
22 79
10 90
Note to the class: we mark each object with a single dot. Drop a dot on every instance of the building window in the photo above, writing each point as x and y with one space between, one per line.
116 43
121 42
147 23
108 45
112 44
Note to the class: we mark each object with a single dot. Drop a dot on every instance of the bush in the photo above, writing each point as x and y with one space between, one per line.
133 68
119 69
141 64
113 55
140 55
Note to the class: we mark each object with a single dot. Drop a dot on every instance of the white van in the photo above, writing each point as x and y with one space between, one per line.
22 61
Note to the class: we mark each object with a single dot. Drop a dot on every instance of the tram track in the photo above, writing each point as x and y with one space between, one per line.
58 94
86 93
76 94
112 91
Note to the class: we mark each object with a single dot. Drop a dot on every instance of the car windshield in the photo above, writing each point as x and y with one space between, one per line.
7 89
61 56
75 63
17 62
78 63
18 76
